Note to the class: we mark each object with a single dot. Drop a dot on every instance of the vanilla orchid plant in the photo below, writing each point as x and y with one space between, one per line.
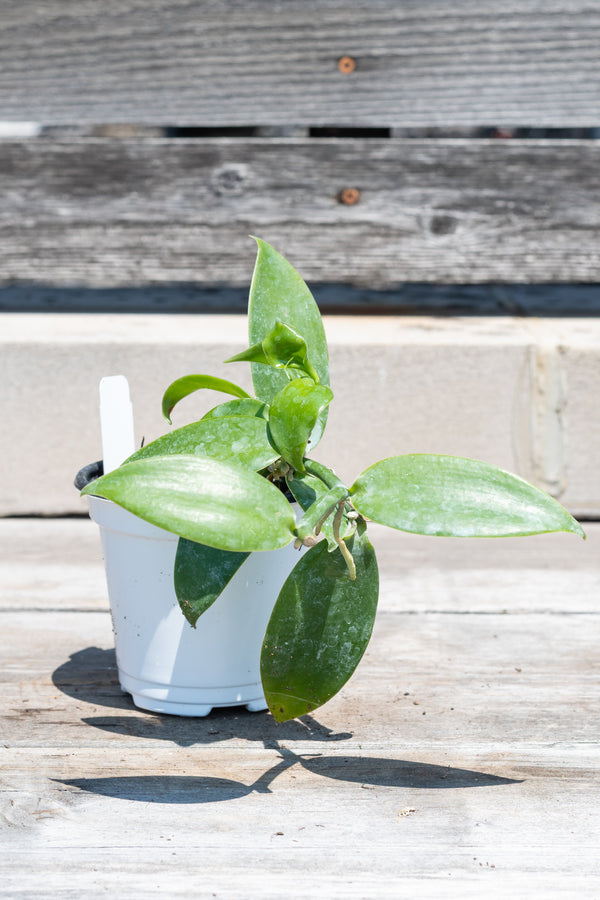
226 485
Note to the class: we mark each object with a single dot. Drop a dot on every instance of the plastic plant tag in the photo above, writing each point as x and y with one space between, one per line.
116 421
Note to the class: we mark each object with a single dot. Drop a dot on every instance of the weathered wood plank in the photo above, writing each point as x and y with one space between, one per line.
99 212
525 676
425 822
56 564
469 777
169 62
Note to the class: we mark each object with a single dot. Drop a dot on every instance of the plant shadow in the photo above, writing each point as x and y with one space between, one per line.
372 771
91 675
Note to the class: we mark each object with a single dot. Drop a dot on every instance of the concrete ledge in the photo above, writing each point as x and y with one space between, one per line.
521 393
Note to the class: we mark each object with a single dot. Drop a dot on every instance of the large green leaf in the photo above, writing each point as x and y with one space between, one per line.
453 496
248 406
292 416
238 439
203 500
201 574
278 293
190 383
319 628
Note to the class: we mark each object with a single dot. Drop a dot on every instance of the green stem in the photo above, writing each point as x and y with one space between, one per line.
312 520
325 475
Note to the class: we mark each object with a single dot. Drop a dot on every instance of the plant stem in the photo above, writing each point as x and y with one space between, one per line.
324 474
321 509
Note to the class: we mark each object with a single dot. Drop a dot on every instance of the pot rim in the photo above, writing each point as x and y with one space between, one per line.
88 473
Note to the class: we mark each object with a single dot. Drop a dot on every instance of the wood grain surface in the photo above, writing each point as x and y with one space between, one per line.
232 63
101 212
462 757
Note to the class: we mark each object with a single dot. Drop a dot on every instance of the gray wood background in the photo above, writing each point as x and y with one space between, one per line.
255 62
105 212
101 212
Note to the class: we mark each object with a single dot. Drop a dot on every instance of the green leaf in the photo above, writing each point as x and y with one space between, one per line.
201 575
285 348
278 293
319 628
453 496
203 500
281 348
255 353
292 416
237 439
190 383
245 407
306 489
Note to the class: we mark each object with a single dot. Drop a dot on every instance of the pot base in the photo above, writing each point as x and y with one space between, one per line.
197 710
190 701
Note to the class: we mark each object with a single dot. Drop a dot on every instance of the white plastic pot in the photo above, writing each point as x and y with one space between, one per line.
166 665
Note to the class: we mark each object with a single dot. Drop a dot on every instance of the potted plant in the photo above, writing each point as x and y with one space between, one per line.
223 488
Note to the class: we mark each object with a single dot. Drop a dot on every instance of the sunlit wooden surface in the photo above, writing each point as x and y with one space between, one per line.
460 761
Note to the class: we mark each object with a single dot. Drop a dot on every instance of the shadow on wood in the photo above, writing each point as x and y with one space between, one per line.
90 675
361 770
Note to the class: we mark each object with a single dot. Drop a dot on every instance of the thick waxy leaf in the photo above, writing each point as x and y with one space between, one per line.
237 439
255 353
292 416
278 293
319 628
202 500
201 574
190 383
285 348
281 348
306 489
453 496
246 407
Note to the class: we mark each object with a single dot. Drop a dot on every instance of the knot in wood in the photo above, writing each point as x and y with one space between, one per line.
443 224
228 180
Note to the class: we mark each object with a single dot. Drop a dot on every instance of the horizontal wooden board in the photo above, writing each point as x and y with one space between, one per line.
173 61
416 668
100 212
57 566
460 760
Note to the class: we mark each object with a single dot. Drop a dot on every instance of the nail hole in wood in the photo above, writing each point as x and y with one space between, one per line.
346 65
349 196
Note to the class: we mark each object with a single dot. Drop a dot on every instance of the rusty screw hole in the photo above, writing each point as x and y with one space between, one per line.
349 196
346 65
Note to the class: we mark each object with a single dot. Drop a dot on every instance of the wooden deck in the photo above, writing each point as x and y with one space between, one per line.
460 761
